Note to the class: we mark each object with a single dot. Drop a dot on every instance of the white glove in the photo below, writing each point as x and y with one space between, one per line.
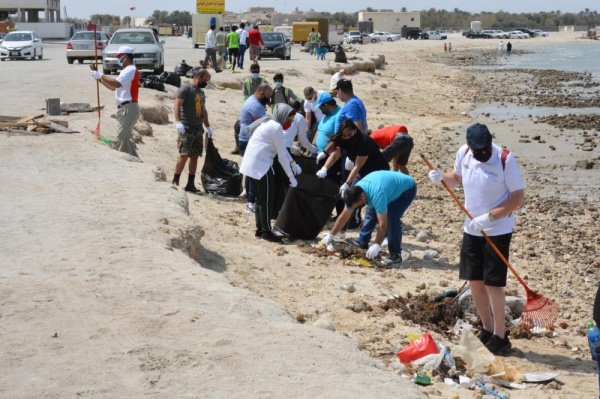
349 164
327 239
296 168
293 182
343 188
436 176
208 132
97 75
180 128
322 173
480 223
373 251
321 156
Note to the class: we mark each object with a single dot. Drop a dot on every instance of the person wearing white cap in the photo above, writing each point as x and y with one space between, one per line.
126 87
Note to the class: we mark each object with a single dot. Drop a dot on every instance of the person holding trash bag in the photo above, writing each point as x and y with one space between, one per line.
389 194
266 141
190 115
493 190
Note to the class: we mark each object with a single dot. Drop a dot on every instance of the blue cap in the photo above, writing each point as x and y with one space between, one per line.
323 98
479 137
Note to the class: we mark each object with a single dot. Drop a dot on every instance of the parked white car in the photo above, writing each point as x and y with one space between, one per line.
148 50
515 34
81 46
540 33
385 36
20 45
437 35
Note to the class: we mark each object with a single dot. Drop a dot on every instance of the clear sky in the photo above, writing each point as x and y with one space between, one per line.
144 8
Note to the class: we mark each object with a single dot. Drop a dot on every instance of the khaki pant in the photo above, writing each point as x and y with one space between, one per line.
127 116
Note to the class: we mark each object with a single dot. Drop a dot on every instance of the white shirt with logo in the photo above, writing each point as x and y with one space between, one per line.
312 106
487 185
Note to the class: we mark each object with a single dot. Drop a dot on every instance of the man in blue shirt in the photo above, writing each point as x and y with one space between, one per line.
353 109
390 194
253 109
326 103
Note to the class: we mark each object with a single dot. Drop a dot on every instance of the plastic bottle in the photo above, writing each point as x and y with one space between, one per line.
593 335
105 140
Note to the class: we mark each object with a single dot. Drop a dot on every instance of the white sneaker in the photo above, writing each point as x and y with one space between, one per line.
250 207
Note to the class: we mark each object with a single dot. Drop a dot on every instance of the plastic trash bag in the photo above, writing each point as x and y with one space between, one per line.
171 78
418 349
307 207
220 176
475 355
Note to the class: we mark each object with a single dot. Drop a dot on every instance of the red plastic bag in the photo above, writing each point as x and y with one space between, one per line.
419 348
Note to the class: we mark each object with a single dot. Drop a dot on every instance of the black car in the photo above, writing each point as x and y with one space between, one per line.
414 34
530 32
478 35
276 45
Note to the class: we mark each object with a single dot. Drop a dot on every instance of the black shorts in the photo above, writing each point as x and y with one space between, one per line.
233 52
400 147
478 261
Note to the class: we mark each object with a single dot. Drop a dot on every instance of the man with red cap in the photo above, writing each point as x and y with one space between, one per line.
396 145
126 87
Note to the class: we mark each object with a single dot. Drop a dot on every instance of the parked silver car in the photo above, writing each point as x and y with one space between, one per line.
148 50
81 46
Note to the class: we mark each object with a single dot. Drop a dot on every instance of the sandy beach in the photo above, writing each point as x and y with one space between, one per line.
114 284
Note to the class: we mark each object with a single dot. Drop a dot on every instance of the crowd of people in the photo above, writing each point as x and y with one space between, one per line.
330 128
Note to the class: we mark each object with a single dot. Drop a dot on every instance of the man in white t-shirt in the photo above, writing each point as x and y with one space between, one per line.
493 190
313 113
243 34
126 87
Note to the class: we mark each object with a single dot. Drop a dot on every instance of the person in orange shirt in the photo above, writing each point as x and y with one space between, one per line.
396 145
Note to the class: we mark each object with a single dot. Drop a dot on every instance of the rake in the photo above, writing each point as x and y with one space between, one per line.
539 311
94 67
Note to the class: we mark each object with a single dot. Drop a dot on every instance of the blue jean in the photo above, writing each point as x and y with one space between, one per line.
248 184
241 53
395 211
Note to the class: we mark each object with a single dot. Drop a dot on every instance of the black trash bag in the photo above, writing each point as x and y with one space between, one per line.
191 72
220 176
182 69
171 78
152 82
307 207
340 55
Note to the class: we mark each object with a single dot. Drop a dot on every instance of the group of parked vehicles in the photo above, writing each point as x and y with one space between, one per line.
519 33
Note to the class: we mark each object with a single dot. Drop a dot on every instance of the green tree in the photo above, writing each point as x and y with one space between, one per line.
105 19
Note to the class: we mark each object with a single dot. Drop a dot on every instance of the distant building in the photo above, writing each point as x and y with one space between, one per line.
29 10
391 21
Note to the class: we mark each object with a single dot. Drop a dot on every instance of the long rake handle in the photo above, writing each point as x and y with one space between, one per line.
487 238
97 81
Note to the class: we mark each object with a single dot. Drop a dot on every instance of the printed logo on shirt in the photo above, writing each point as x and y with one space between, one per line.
198 105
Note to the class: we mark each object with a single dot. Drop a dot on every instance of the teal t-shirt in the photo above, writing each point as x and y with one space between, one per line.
384 187
234 40
327 129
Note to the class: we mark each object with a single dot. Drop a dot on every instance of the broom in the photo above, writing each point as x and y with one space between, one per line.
539 311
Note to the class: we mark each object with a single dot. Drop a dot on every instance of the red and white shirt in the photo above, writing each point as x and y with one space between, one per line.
130 85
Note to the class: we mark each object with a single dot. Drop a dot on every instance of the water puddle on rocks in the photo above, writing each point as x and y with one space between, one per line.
521 112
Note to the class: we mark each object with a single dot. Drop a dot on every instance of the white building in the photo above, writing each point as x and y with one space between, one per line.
388 21
29 10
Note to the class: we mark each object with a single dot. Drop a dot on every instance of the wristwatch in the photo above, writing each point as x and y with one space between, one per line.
490 216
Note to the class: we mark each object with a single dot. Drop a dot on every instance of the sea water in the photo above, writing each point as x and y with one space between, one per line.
570 57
